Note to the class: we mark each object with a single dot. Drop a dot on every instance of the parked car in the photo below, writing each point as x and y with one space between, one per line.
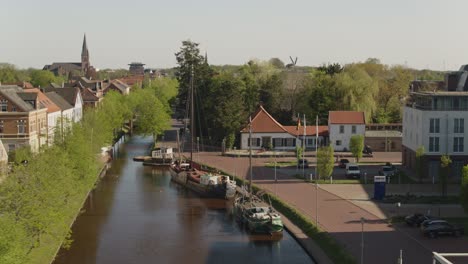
387 171
435 228
417 219
303 162
352 171
343 163
430 222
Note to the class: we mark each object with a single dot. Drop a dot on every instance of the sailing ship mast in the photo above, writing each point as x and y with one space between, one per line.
192 123
250 153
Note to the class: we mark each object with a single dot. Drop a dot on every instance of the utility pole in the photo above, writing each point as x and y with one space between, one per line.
362 240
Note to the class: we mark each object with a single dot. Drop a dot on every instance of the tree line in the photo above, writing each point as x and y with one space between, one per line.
226 95
40 198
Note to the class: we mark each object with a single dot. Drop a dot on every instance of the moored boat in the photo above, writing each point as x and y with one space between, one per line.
257 216
204 182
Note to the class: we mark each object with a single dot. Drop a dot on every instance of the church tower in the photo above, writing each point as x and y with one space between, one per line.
84 57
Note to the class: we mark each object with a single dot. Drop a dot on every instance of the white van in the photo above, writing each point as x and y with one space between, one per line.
352 171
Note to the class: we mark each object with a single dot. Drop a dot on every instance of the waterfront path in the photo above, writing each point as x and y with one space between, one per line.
341 217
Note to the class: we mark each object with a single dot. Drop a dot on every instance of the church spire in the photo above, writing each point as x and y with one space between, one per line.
84 50
206 57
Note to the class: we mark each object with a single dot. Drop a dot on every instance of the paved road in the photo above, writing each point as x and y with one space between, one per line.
340 217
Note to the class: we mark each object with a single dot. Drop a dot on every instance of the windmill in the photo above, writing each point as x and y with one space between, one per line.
292 64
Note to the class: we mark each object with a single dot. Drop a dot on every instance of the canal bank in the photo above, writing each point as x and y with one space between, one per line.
137 215
105 159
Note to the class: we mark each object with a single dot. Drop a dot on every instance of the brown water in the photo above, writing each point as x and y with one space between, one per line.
137 215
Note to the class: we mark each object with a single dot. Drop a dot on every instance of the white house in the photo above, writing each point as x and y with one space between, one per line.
73 96
267 133
342 125
64 119
53 112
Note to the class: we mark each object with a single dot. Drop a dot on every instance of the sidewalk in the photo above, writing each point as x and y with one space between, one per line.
341 217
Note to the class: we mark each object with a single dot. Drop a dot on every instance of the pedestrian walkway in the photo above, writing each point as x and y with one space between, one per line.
340 217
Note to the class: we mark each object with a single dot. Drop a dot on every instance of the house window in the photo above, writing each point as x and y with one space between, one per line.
289 142
11 147
21 126
338 143
311 142
457 144
433 144
1 126
255 142
341 129
353 129
13 108
434 125
277 142
459 125
4 105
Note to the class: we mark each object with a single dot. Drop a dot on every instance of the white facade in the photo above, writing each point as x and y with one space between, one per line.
340 134
260 140
52 121
447 135
279 141
78 108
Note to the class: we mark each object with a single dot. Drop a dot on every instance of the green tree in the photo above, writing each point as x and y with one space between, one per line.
8 73
356 146
277 63
325 161
444 172
464 189
357 90
419 162
228 113
43 78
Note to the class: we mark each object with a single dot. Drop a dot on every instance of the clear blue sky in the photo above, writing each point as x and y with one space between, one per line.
421 33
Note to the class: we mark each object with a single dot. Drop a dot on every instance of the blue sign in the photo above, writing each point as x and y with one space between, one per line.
379 187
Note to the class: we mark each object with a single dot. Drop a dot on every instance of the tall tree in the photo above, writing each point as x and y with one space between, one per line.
444 172
419 162
325 161
464 189
357 90
356 146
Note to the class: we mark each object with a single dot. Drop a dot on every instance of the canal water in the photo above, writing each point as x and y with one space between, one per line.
137 215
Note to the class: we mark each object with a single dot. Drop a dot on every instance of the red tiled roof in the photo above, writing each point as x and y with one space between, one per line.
346 117
310 130
133 79
263 122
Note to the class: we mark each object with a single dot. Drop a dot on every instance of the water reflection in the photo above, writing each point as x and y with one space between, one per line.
137 215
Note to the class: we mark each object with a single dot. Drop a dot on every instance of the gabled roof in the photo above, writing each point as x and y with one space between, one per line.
310 130
263 122
88 96
59 101
69 94
11 93
44 101
119 85
346 117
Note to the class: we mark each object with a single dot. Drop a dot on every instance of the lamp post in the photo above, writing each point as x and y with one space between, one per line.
362 240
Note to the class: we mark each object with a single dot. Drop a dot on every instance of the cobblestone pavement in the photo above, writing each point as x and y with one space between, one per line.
340 216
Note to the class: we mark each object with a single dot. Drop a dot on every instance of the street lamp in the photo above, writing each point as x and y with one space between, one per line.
362 239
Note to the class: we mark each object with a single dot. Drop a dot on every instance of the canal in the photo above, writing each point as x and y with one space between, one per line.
137 215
